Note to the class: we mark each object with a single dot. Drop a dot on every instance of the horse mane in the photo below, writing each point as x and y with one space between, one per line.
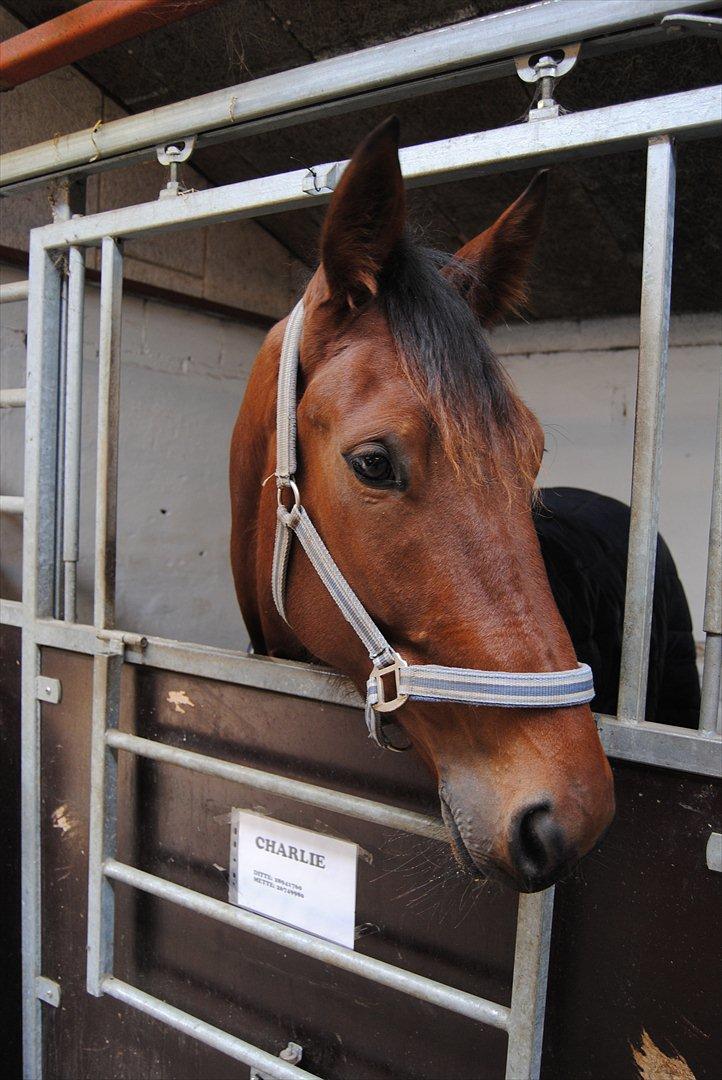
444 352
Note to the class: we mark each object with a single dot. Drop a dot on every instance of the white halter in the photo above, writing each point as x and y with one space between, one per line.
419 682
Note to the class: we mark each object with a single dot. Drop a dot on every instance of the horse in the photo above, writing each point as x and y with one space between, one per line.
417 463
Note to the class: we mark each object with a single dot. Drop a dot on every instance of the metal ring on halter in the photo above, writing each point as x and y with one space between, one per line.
287 482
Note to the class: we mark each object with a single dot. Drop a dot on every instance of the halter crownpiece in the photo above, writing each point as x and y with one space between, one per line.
415 682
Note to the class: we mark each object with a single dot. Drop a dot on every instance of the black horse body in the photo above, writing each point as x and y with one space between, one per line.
584 538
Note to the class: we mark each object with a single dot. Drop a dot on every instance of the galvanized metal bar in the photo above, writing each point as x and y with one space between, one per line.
228 1044
446 997
273 99
106 490
13 399
649 426
709 716
339 802
11 613
529 987
663 746
73 423
12 504
108 659
102 827
38 562
59 215
12 291
651 744
692 114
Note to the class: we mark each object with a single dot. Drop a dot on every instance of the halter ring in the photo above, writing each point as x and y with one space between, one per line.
377 674
287 482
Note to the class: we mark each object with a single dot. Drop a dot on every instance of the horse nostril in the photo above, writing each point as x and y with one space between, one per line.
537 846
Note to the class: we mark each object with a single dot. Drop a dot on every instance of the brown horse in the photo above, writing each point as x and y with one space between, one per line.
417 466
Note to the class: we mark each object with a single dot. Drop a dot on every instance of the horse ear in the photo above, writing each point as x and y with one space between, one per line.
499 258
366 217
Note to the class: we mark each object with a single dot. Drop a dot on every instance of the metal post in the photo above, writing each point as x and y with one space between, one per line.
712 675
649 425
529 988
38 582
111 288
108 659
73 419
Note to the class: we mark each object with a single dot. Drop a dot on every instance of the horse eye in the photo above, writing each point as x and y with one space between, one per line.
373 466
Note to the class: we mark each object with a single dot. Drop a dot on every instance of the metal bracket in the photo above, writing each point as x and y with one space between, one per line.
47 689
699 25
171 155
714 852
321 181
292 1054
546 68
47 990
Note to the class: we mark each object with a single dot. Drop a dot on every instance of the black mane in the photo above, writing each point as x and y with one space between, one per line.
442 345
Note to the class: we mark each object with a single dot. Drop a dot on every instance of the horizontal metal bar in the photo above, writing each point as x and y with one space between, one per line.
198 1029
666 747
449 48
692 114
650 744
446 997
13 399
339 802
11 291
11 613
12 504
187 658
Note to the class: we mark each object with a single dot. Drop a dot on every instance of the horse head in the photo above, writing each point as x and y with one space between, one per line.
417 464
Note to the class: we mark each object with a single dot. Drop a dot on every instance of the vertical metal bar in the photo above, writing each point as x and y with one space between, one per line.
38 589
108 661
649 425
107 668
529 988
106 493
60 437
73 424
712 674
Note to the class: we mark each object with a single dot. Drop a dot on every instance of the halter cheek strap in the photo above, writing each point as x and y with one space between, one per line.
417 682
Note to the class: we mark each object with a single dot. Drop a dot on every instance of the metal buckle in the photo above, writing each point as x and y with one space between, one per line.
377 674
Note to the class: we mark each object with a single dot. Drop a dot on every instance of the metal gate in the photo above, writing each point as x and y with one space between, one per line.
55 290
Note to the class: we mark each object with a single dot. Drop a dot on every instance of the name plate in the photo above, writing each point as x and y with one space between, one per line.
296 876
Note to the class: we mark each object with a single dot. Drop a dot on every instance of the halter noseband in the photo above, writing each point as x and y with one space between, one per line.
418 682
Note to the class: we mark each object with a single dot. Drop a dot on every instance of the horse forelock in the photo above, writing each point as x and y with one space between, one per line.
444 352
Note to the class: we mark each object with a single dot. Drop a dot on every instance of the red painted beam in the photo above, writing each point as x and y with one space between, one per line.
87 29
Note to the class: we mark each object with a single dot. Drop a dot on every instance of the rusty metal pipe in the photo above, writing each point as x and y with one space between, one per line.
88 29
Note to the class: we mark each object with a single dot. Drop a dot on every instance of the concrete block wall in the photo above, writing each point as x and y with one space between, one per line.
238 264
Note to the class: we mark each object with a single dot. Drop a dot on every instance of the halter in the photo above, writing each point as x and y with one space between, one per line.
415 682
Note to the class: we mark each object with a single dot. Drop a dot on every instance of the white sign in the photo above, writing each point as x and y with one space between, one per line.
301 878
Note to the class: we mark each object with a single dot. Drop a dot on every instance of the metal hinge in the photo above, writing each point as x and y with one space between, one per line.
292 1054
172 154
545 68
47 689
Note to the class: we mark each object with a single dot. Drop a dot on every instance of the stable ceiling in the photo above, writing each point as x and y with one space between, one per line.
590 257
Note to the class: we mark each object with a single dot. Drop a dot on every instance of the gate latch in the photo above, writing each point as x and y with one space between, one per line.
292 1054
545 68
171 154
